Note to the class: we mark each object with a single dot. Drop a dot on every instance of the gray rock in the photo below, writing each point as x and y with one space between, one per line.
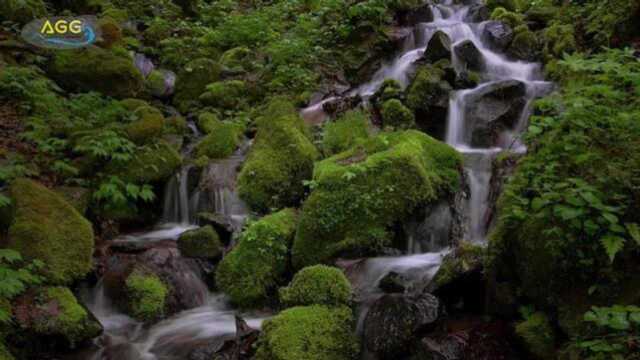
439 48
498 35
469 55
422 14
478 13
393 283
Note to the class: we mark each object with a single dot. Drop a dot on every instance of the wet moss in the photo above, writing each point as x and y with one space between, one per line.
256 266
465 258
310 333
224 94
48 228
396 115
192 82
146 129
345 132
200 243
317 285
146 295
222 140
151 163
428 88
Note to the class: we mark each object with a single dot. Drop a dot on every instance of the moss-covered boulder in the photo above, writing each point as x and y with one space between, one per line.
256 266
317 285
310 333
207 122
133 104
428 97
237 60
224 94
48 228
192 82
97 69
146 129
513 19
396 115
345 132
146 295
360 193
200 243
151 163
54 313
22 11
537 335
465 259
280 160
222 140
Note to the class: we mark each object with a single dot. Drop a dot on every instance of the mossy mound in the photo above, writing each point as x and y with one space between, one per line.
396 115
146 129
317 285
310 333
256 266
222 141
360 193
192 82
200 243
133 104
537 335
280 160
237 59
345 132
22 11
224 94
55 312
151 163
48 228
429 88
146 295
97 69
207 122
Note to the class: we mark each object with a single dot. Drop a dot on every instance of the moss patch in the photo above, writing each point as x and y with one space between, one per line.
200 243
48 228
222 141
396 115
346 132
318 284
192 82
146 295
145 129
225 94
150 163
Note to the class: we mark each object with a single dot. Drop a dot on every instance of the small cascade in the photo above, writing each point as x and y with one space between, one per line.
179 207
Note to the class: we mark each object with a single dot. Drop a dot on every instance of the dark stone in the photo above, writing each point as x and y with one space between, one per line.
240 347
222 224
445 347
466 80
498 35
341 105
469 55
393 321
392 283
477 13
439 48
422 14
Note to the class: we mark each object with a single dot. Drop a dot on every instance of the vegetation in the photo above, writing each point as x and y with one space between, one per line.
203 242
15 276
317 285
345 132
146 295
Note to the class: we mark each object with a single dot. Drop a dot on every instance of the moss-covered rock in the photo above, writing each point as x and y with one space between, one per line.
48 228
78 197
237 59
280 160
192 82
467 257
151 163
200 243
146 295
360 193
256 266
224 94
317 285
55 312
207 122
310 333
111 32
133 104
147 128
156 83
222 140
537 335
22 11
389 89
396 115
513 19
97 69
345 132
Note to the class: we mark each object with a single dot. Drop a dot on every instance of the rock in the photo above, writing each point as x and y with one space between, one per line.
498 35
240 347
309 332
255 267
394 320
192 82
48 228
355 199
200 243
467 80
396 115
477 13
389 89
97 69
53 315
393 283
502 168
340 105
469 55
161 83
439 48
493 109
445 347
428 97
422 14
223 225
317 285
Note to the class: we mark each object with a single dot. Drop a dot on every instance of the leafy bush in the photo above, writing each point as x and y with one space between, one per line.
614 334
15 276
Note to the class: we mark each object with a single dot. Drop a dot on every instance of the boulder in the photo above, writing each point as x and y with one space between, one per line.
422 14
467 80
393 322
438 48
200 243
443 347
498 35
340 105
317 285
469 55
221 142
240 347
222 224
161 83
477 13
492 109
192 82
428 97
393 282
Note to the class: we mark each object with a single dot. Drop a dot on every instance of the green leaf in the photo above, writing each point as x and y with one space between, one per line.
612 245
634 232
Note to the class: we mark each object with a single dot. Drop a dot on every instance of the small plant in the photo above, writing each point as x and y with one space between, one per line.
614 333
15 276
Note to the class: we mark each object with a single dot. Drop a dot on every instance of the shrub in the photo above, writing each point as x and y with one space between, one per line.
317 285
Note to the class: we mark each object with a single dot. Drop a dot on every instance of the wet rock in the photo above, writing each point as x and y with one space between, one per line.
203 243
421 14
240 347
492 109
445 347
498 35
393 283
502 168
439 48
340 105
222 224
467 80
469 55
428 97
477 13
394 320
124 351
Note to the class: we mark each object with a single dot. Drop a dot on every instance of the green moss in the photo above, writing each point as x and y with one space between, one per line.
4 353
396 115
537 334
511 5
256 266
427 88
317 285
389 89
224 94
97 69
155 83
22 11
146 129
558 40
361 192
48 228
151 163
510 18
192 82
280 160
345 132
63 316
525 44
158 30
310 333
146 295
133 104
466 257
208 122
221 142
200 243
237 59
